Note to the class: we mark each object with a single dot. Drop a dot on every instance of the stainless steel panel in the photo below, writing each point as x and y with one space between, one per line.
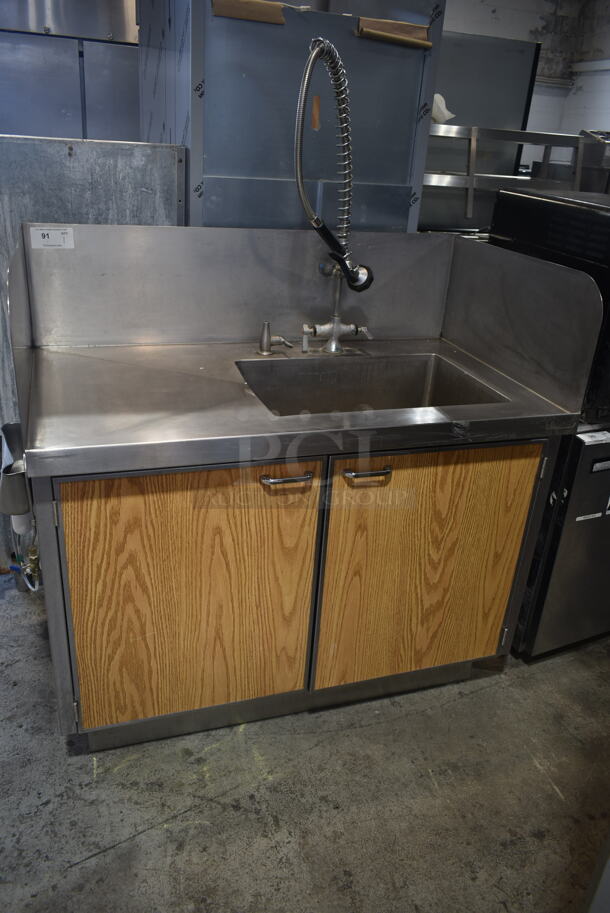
500 99
111 91
252 77
109 20
516 313
39 86
161 285
429 13
254 96
202 71
576 605
375 207
255 202
273 203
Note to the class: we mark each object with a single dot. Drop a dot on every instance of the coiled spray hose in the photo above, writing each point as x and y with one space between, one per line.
358 277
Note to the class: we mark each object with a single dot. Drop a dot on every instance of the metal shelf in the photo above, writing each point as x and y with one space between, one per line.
472 180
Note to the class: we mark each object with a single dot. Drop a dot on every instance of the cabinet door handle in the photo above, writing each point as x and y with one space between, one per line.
376 473
286 480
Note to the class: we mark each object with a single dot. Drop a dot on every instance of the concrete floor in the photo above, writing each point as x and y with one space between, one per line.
487 796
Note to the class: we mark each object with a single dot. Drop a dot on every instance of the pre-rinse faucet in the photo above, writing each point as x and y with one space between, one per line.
334 329
357 276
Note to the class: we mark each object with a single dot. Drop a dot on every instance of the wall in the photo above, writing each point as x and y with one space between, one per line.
594 39
587 105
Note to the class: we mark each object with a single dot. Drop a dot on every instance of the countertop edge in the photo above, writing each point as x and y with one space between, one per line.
181 455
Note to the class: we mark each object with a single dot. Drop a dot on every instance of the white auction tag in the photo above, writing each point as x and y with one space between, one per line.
57 238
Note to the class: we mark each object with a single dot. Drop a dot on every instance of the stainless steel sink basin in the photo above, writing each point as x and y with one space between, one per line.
288 386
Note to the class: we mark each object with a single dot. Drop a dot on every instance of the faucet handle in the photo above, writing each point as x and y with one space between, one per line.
364 331
309 329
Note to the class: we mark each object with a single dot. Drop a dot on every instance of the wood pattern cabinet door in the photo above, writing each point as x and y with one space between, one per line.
189 589
419 565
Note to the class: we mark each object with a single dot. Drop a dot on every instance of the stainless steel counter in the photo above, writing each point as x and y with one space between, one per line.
135 408
125 344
